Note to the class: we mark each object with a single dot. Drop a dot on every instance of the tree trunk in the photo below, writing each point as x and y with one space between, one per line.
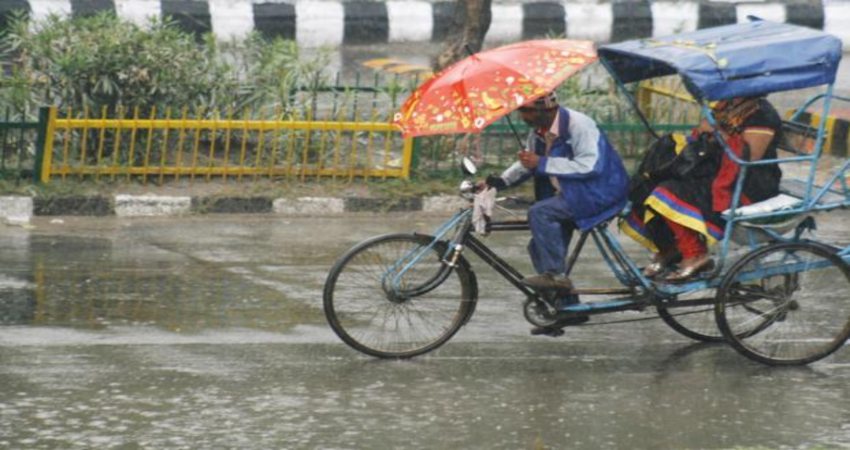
470 23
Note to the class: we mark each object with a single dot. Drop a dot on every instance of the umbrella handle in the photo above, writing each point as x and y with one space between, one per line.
516 135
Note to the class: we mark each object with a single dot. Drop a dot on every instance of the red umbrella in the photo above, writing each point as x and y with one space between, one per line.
480 89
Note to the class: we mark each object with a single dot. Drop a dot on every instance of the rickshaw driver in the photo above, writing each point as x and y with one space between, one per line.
579 181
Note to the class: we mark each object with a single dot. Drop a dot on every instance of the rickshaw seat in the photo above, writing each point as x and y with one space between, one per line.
792 194
773 204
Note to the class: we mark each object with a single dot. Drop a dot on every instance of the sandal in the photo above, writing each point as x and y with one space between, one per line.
660 262
687 272
655 268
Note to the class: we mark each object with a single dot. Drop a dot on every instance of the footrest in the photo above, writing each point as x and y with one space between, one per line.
596 306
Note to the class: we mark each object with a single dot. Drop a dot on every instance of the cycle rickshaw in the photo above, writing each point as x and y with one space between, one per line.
784 299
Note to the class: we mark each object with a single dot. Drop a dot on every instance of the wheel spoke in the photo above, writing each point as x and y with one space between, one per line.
695 322
793 308
381 304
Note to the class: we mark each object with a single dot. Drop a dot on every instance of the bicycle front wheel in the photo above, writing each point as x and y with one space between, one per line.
394 297
786 304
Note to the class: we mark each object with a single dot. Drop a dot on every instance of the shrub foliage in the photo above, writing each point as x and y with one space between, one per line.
105 62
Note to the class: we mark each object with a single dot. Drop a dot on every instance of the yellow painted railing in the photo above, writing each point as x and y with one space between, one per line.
665 100
224 146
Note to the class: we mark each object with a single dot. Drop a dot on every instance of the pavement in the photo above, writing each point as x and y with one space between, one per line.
19 210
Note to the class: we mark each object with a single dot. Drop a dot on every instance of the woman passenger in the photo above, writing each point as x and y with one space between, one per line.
681 216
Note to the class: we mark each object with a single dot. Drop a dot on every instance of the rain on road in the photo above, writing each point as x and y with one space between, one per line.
207 332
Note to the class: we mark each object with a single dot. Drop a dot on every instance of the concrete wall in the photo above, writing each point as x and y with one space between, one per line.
316 22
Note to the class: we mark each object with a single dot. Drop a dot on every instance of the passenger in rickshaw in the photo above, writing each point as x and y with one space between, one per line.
680 213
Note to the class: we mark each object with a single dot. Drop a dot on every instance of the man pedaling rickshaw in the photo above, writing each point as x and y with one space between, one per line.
579 181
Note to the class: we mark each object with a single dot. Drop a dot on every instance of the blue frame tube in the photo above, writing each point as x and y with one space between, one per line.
414 256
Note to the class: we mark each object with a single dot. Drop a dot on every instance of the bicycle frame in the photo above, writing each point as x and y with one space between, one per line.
637 291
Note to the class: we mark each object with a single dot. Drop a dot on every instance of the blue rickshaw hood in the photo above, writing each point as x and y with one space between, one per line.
745 59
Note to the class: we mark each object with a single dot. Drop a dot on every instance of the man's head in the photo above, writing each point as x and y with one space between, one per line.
541 112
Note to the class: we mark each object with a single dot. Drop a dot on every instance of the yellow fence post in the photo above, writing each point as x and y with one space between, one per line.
116 147
308 134
406 158
163 149
100 143
181 140
644 98
261 144
244 147
148 145
213 133
85 135
227 135
275 141
44 176
66 145
132 151
196 146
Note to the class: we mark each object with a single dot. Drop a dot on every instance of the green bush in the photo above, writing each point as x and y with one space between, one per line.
105 62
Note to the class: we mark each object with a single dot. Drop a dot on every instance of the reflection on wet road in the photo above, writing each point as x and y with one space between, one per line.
207 332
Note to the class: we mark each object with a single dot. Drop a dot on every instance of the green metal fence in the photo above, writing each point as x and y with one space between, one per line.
19 140
496 146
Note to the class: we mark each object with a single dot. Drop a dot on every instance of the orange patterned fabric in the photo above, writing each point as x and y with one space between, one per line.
478 90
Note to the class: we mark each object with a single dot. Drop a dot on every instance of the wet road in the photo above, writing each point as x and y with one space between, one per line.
207 332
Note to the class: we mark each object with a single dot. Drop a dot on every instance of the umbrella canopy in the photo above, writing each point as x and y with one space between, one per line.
480 89
743 59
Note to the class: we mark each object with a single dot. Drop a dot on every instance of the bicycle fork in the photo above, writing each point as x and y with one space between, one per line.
393 276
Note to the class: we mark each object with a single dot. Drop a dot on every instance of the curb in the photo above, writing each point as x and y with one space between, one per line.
315 23
16 210
838 131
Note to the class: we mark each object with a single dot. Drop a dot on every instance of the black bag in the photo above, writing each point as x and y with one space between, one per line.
652 168
698 159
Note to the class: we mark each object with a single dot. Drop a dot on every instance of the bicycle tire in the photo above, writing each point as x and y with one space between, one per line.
786 304
373 317
699 325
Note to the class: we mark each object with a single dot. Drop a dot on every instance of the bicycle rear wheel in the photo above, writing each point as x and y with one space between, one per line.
786 304
697 322
380 306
